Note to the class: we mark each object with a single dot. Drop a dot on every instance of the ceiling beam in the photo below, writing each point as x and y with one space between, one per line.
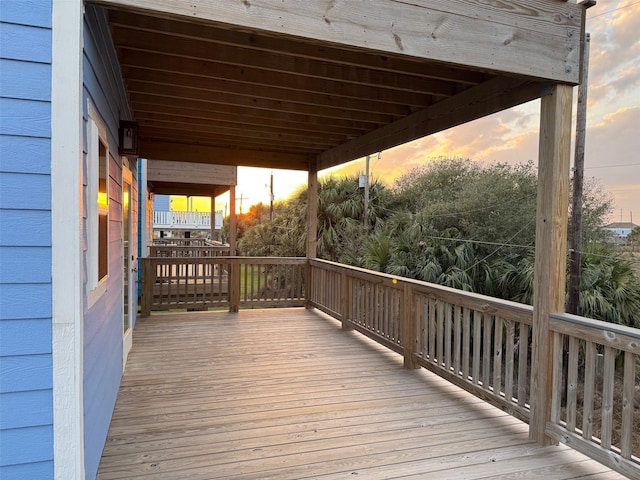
244 116
164 100
259 96
190 172
538 38
246 74
158 150
229 140
297 48
190 190
256 131
280 62
493 96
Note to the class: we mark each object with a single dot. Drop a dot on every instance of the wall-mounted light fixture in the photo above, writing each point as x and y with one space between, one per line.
128 138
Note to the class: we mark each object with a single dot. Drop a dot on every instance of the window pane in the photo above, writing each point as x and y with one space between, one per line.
103 240
103 212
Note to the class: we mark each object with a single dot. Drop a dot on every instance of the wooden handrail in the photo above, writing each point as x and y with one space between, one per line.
220 281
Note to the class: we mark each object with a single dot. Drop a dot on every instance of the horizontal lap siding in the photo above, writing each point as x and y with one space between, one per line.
103 320
26 411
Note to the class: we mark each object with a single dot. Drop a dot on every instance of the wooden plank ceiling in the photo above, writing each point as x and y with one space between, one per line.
209 93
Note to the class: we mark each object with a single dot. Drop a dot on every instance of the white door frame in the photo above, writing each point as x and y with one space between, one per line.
129 260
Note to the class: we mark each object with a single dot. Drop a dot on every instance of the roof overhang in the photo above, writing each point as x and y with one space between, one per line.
316 84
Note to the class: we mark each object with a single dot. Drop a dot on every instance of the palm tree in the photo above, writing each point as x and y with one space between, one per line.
610 289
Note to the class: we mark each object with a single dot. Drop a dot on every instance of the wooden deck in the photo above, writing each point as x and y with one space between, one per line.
286 394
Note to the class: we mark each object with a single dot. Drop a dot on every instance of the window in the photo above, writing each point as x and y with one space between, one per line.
103 212
97 207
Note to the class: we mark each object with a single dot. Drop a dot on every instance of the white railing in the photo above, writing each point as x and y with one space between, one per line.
173 220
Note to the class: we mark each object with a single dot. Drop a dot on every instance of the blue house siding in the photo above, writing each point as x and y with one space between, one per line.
103 346
162 202
26 418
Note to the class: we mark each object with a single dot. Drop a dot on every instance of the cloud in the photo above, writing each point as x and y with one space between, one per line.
615 51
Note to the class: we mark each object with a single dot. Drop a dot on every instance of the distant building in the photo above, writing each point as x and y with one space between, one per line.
619 231
162 202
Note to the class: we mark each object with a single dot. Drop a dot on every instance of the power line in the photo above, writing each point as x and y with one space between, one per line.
500 247
528 247
615 166
480 242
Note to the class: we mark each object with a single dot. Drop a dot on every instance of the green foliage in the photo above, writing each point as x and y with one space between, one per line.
453 222
495 203
634 239
341 234
609 290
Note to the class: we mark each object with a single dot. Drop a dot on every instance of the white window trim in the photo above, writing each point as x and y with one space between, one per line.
96 133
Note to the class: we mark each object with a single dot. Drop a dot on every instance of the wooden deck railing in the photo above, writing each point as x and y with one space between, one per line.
596 394
175 282
205 282
479 343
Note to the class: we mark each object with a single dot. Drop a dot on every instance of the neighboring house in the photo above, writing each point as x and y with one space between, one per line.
162 202
620 230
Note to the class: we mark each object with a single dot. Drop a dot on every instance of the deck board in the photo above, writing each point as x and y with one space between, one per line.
286 394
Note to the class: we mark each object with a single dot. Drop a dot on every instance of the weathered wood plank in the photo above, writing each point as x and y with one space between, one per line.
537 38
187 172
287 394
173 151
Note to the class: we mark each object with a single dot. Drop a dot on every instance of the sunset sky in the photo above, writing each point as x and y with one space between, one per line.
613 126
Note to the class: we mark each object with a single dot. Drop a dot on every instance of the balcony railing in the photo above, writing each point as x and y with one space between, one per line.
174 220
482 344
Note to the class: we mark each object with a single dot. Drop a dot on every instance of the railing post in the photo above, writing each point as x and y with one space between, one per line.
234 286
148 281
308 294
345 299
408 326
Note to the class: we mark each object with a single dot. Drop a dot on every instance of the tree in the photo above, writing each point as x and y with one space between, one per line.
340 233
610 289
634 238
457 223
494 203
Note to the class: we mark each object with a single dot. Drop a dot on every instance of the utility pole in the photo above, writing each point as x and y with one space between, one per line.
575 271
241 197
271 199
366 195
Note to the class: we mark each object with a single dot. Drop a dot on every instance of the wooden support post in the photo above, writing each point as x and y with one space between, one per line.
551 244
312 213
213 218
234 286
312 225
148 281
232 221
345 299
408 326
